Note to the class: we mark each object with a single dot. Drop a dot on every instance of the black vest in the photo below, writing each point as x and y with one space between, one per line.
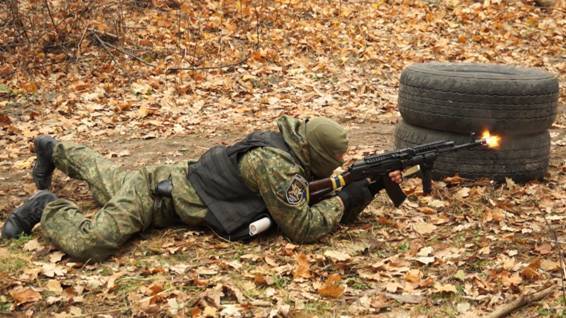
216 178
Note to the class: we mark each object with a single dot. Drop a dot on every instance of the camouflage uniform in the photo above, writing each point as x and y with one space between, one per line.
129 205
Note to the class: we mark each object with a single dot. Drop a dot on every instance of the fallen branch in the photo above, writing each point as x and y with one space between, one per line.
104 36
129 54
193 68
506 309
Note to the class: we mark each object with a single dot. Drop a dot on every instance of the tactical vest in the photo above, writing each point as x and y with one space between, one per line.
216 178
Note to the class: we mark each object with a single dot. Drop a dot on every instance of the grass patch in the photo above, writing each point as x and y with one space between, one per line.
106 271
127 284
280 282
357 283
314 308
18 244
5 305
13 265
403 247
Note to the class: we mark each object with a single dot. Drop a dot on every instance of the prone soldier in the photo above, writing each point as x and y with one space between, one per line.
266 174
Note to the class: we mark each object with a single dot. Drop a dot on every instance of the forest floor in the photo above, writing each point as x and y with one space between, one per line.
105 76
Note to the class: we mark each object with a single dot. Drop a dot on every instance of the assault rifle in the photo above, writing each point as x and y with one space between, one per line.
377 167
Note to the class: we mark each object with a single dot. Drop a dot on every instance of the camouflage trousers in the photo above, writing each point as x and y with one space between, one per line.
128 203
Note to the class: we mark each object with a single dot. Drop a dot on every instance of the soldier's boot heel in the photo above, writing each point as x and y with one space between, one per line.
44 166
26 216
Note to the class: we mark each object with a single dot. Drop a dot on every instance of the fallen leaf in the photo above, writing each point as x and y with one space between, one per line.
392 287
56 256
337 256
111 283
52 270
460 275
511 280
302 269
406 299
424 228
441 288
544 249
437 204
425 259
463 307
425 251
549 265
462 193
25 295
331 288
413 276
32 245
54 286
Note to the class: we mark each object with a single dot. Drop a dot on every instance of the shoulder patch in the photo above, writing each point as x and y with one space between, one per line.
298 191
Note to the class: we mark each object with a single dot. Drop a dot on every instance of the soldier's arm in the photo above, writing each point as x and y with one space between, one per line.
281 184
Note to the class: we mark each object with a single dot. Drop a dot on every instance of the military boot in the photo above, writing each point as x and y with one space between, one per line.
44 166
26 216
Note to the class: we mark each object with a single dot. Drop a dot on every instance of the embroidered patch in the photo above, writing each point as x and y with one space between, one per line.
298 191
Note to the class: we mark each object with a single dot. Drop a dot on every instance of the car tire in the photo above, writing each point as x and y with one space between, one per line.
462 98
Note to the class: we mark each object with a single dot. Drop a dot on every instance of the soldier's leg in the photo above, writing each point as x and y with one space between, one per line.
80 162
128 212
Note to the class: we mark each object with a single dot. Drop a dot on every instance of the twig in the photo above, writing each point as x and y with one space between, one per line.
17 19
192 68
52 20
108 51
506 309
105 45
257 26
77 51
129 54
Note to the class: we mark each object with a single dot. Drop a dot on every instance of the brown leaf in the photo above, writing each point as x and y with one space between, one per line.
413 276
302 269
54 286
260 280
156 287
6 69
530 272
549 265
5 120
424 228
25 295
544 249
330 288
511 280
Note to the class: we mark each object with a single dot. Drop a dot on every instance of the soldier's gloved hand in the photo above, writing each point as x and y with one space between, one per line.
355 196
376 186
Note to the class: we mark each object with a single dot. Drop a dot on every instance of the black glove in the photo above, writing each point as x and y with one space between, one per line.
355 196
